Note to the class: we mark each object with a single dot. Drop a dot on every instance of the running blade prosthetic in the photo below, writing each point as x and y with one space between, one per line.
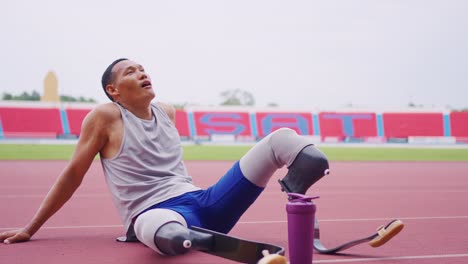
380 237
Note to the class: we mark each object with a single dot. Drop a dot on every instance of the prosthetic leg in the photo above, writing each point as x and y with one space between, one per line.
175 239
309 166
377 239
165 232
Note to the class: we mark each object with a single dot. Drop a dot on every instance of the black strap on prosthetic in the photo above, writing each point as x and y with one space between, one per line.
284 187
130 236
380 237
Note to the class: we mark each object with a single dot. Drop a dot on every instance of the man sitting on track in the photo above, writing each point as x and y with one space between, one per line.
141 156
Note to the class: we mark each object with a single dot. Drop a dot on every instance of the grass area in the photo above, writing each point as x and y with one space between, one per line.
35 152
397 154
205 152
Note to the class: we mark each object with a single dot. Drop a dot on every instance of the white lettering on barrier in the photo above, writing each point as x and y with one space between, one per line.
431 140
223 138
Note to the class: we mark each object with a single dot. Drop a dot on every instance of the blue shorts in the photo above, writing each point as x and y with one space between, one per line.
219 207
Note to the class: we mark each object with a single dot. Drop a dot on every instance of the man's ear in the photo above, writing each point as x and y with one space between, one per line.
112 91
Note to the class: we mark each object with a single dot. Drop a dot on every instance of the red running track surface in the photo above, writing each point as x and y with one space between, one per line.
429 197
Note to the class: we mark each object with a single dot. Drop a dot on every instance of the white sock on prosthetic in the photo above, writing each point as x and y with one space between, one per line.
148 223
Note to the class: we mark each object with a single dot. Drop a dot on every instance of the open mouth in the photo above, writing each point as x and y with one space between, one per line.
146 84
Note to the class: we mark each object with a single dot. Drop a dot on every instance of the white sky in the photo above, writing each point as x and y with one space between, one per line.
297 53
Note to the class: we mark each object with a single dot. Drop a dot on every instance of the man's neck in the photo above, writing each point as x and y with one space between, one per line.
142 111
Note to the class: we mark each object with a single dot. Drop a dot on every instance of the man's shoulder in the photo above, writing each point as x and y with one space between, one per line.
106 112
169 109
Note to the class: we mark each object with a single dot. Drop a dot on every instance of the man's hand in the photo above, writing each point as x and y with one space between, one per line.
14 236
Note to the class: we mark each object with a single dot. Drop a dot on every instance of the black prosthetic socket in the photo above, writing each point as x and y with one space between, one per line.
175 239
201 241
309 166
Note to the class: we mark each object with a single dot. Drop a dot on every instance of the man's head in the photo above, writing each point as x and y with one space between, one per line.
107 76
125 79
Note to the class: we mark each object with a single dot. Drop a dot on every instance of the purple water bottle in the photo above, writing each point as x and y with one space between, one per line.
301 213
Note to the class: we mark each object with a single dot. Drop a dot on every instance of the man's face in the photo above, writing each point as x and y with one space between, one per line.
131 83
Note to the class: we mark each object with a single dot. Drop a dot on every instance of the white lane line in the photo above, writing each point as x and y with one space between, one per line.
360 260
401 218
271 222
68 227
5 196
376 191
366 219
41 196
47 187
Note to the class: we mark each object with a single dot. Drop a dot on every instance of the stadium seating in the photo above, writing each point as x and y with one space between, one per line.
30 122
64 121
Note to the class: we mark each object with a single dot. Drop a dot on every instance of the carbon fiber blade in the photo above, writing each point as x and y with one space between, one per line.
319 247
236 249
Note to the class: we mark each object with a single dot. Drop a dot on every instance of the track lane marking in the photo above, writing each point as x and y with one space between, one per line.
272 222
360 260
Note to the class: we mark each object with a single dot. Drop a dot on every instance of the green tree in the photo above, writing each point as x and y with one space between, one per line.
35 96
25 96
237 97
271 104
81 99
7 96
179 105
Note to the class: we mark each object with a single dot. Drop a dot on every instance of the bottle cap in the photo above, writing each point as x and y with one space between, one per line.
297 197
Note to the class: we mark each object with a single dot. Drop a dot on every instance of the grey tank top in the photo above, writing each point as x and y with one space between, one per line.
148 168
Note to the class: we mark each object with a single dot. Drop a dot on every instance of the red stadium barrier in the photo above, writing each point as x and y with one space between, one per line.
46 122
404 125
268 122
348 125
30 122
75 118
233 123
182 124
459 124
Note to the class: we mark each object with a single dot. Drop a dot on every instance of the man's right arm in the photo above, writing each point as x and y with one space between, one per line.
92 139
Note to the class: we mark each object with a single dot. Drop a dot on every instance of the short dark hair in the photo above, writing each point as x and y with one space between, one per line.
107 76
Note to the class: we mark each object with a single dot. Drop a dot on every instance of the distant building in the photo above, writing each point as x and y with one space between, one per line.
50 88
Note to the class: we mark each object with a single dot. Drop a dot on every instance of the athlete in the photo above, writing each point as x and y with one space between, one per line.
141 156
